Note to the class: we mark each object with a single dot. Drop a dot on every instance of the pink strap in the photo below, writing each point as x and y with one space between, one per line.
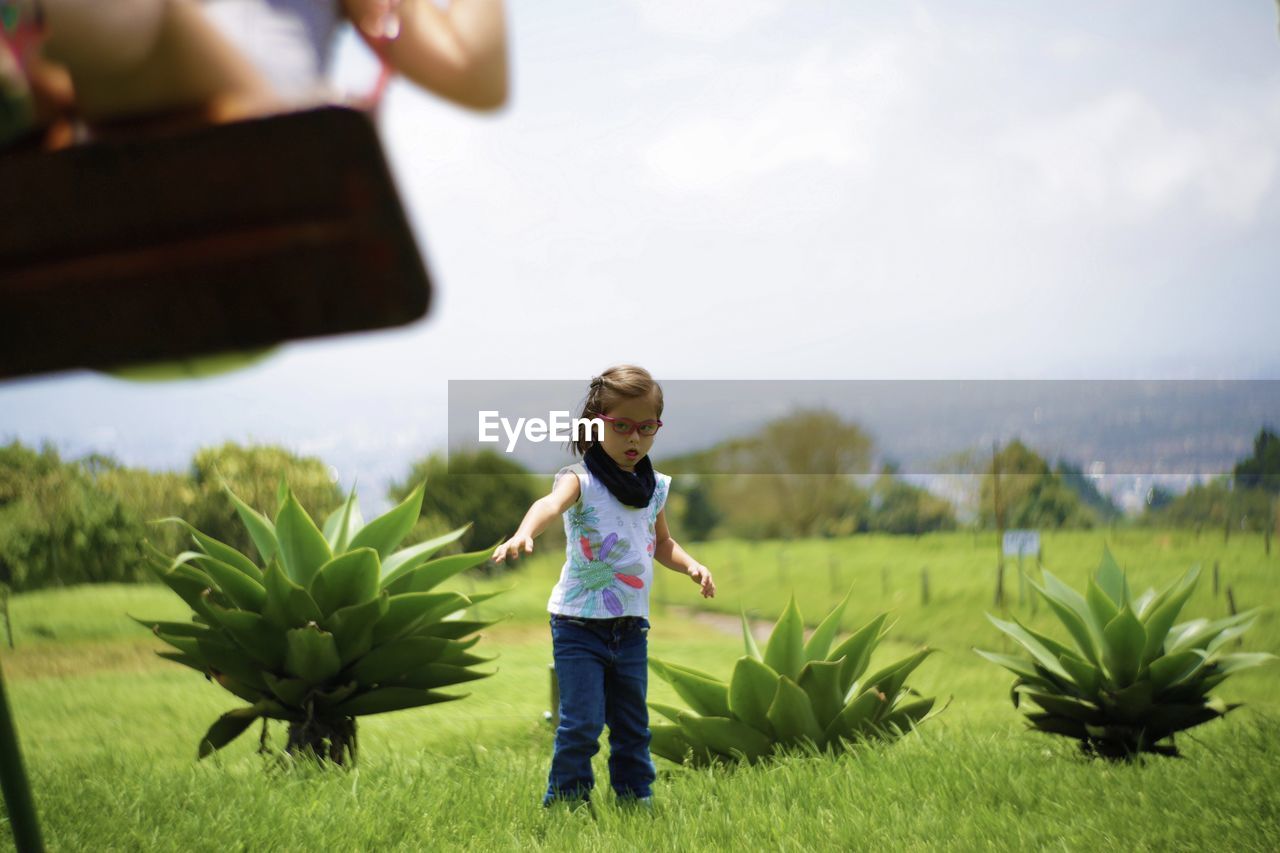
386 30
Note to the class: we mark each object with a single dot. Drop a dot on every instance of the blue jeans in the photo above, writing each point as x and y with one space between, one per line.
602 668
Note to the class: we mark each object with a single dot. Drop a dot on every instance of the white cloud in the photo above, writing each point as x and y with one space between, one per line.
1121 157
824 108
705 20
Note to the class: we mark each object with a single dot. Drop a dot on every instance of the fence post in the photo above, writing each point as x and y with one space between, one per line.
1022 582
924 586
1215 578
4 608
1231 606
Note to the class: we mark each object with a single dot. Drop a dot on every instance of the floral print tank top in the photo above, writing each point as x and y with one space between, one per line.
608 567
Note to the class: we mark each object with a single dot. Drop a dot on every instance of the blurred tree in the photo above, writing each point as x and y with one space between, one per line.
1074 478
57 527
1033 496
1216 505
485 489
899 507
800 481
1262 469
1159 497
254 473
700 515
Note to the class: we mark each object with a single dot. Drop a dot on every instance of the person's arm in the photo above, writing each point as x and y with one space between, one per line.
563 495
459 52
137 57
668 552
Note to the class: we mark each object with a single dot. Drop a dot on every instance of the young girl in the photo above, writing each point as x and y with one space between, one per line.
103 60
616 527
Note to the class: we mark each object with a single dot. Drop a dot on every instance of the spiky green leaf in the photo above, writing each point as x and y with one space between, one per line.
432 675
669 742
751 691
726 736
704 693
821 681
410 611
386 663
784 652
907 715
428 576
288 605
303 548
791 715
227 728
819 643
388 699
1172 669
261 530
1100 603
346 580
1161 619
856 651
1087 638
415 555
312 655
856 716
352 627
259 639
1126 638
1085 675
244 591
749 639
343 523
385 532
1111 580
1042 655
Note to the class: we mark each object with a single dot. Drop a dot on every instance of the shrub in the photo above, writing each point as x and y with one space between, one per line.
1130 679
337 623
795 694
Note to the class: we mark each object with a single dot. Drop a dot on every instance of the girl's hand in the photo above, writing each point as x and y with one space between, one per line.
512 548
701 575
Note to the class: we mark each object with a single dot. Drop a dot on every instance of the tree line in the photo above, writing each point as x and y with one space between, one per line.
95 520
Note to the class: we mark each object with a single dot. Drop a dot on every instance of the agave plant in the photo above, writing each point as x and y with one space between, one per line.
336 624
1130 679
795 694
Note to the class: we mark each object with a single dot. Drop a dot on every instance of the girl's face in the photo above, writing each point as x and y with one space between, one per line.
627 450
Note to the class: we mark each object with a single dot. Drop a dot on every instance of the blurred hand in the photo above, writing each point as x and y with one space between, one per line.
701 575
513 548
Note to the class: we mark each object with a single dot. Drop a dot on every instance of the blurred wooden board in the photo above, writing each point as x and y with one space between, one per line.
230 237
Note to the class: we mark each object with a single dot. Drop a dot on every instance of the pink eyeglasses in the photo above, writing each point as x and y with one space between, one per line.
624 426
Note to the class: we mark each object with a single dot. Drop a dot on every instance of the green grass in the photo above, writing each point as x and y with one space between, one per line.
109 731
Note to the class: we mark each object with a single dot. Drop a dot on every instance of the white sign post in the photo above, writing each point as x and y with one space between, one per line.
1020 542
1016 543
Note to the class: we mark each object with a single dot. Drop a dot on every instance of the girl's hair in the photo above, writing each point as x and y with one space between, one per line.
618 383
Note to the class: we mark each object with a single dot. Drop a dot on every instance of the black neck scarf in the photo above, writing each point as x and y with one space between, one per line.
631 489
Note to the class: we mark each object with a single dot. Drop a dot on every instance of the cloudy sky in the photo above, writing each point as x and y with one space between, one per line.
788 190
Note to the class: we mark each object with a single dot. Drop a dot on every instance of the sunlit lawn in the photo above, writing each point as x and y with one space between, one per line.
109 731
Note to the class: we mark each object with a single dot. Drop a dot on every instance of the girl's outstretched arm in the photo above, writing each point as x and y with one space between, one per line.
544 509
459 52
668 552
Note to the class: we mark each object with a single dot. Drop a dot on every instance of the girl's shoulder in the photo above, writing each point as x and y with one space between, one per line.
579 470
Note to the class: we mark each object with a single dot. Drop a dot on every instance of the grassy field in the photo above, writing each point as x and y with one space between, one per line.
109 731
